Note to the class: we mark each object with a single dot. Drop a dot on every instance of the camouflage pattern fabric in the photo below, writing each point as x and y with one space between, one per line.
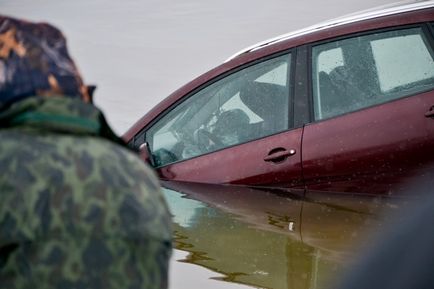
34 60
76 210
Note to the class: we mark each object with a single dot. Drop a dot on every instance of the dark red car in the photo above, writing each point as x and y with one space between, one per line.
344 106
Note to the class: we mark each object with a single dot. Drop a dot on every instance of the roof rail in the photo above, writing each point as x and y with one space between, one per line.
390 9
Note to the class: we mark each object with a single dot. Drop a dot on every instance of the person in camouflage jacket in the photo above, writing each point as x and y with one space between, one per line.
78 209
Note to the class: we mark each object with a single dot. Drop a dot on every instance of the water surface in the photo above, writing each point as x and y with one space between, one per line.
272 239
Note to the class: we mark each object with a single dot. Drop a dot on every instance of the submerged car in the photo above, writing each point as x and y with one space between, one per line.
343 106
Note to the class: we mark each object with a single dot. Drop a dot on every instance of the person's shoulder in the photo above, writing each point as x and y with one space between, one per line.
128 159
132 189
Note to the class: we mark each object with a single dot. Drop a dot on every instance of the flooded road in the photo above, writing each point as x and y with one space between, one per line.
270 239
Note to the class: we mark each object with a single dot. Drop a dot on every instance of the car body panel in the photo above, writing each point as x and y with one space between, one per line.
243 164
372 150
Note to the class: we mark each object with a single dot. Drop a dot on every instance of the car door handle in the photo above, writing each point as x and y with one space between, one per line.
430 112
279 154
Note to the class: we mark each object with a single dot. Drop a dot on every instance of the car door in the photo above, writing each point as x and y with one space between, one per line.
373 126
236 129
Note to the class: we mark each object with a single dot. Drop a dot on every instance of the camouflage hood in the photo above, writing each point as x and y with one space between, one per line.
34 60
58 115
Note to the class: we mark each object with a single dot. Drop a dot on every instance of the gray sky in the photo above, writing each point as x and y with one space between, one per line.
139 51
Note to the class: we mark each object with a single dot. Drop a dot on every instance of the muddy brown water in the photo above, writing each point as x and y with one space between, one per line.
271 238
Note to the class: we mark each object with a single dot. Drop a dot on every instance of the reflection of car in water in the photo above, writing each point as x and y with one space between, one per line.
274 238
344 106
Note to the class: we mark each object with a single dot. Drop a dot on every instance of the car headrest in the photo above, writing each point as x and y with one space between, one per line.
264 99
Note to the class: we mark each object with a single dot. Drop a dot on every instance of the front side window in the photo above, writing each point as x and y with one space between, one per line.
359 72
246 105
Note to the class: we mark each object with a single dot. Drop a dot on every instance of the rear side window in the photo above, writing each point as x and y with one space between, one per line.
359 72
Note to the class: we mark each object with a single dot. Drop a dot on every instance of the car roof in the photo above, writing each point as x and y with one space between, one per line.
385 10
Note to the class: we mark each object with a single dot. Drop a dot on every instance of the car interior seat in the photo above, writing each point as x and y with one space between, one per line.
269 102
339 92
231 127
328 96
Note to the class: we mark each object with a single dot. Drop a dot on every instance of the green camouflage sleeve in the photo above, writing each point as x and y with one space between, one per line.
79 212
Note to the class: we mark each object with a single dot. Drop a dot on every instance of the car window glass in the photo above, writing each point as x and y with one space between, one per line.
246 105
389 58
359 72
330 59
